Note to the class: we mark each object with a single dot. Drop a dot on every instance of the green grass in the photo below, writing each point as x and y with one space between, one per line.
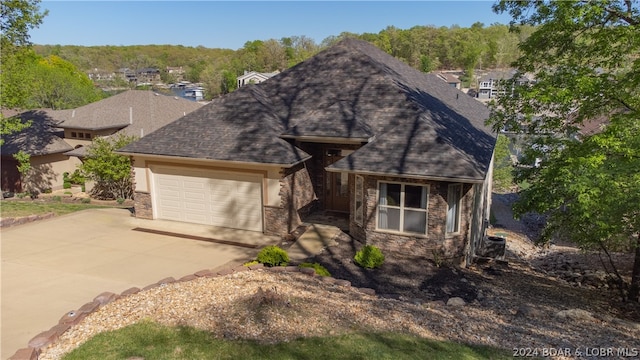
152 341
26 208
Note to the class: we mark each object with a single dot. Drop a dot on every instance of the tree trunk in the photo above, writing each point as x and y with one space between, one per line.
634 289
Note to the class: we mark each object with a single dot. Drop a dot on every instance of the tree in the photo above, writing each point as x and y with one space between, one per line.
584 56
110 171
502 165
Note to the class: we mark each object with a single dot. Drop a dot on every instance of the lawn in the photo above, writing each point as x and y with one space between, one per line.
147 340
18 208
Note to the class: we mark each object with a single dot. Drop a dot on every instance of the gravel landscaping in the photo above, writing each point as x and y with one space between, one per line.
520 305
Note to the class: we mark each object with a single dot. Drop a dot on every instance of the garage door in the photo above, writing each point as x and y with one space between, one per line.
212 198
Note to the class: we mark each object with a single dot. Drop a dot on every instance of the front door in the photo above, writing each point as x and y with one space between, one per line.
337 184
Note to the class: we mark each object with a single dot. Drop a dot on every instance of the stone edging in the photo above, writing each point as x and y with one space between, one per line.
13 221
42 340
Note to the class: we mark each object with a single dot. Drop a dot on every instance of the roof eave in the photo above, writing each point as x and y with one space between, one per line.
328 139
409 176
253 163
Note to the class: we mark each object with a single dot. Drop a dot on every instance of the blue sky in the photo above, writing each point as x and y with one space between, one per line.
229 24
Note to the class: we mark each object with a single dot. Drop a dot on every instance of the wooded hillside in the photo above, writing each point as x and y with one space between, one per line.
426 48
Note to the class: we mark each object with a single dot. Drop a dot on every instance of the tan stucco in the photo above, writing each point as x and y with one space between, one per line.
46 171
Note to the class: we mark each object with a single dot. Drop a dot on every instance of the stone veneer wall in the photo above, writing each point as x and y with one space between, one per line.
435 242
142 205
296 194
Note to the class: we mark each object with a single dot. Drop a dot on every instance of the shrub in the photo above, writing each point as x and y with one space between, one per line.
320 270
86 200
66 184
120 201
273 256
251 263
369 257
57 198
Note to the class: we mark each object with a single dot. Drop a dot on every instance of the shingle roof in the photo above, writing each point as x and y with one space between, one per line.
419 124
41 138
233 128
138 112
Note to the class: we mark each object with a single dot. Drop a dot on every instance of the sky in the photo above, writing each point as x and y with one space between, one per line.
230 24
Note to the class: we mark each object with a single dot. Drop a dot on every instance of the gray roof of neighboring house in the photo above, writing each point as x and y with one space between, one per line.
138 112
41 138
418 124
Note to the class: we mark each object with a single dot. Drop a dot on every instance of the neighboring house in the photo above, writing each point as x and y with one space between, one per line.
177 72
351 130
252 77
490 86
43 141
63 135
450 79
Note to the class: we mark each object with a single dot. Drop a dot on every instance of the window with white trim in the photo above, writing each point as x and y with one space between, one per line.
402 207
358 202
454 195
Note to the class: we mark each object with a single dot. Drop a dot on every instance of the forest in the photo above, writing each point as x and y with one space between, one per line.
426 48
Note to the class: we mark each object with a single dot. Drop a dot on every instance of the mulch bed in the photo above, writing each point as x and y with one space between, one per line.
400 276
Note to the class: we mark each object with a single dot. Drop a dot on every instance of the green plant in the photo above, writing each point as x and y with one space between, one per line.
47 191
66 184
272 255
369 257
320 270
120 201
77 177
251 263
68 193
21 195
57 198
86 200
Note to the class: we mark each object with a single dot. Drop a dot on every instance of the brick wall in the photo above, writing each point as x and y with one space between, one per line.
447 247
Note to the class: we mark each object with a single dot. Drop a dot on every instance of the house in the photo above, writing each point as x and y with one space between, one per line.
252 77
57 140
351 130
450 79
44 142
491 86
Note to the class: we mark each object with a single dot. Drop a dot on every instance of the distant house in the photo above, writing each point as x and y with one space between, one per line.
353 131
57 140
252 77
490 86
177 72
450 79
148 75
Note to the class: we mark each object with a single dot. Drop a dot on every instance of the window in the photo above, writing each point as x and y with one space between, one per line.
81 135
74 134
402 207
87 136
358 202
454 196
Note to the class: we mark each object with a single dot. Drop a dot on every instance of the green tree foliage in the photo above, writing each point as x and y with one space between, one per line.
111 172
58 84
585 59
502 165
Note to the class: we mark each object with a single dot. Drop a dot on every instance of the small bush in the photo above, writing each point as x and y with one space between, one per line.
86 200
120 201
273 256
66 184
369 257
320 270
57 198
251 263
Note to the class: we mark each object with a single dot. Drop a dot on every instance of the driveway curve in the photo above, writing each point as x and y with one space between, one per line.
52 266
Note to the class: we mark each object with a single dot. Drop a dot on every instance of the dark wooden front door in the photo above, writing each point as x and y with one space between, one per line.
337 184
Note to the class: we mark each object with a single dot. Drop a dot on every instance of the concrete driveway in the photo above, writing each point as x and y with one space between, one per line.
53 266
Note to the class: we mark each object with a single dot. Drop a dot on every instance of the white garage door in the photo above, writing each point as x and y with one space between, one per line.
212 198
